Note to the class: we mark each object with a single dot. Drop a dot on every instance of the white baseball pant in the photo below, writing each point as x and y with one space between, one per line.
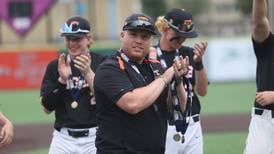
260 139
193 143
63 143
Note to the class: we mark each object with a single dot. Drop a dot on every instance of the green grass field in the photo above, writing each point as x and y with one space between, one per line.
217 143
224 143
23 107
229 98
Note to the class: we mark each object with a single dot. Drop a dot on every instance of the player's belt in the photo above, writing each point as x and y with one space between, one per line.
76 134
259 111
196 118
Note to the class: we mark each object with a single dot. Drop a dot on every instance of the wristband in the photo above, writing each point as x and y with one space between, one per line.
164 80
198 66
178 81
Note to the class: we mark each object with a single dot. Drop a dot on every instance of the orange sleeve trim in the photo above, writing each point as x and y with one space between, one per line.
154 60
121 63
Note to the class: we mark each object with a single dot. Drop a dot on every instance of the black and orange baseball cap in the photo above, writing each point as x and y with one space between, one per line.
181 22
75 27
139 21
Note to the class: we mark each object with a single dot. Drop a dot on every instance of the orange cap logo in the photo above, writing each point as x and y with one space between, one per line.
143 18
74 22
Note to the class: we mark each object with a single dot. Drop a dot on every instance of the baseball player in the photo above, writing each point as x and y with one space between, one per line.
6 133
67 89
260 138
184 134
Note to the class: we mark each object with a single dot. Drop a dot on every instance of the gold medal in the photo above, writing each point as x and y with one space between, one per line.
74 104
177 137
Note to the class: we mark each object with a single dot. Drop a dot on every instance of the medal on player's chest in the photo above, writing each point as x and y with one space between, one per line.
177 137
75 85
74 104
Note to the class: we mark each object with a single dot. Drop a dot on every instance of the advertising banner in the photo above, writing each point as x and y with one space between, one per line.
24 69
230 60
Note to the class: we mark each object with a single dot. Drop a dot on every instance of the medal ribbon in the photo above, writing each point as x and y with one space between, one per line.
180 119
75 90
127 60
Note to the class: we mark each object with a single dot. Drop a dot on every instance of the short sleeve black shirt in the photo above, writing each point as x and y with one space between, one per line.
119 131
265 66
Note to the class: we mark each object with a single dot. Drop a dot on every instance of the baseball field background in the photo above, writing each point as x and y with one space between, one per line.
22 107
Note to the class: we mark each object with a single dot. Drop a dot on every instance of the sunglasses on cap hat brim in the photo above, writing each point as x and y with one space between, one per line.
67 30
140 24
184 30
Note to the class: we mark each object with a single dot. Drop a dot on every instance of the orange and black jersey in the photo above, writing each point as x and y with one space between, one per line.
184 51
59 98
119 131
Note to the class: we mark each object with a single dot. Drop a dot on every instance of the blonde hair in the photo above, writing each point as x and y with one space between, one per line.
161 24
91 40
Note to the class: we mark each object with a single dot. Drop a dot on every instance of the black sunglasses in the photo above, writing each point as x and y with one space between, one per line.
139 23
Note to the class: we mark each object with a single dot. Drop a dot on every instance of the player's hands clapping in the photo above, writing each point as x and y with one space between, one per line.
83 62
265 97
199 50
6 134
64 68
180 66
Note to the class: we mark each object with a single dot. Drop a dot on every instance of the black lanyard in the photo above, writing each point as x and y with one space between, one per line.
160 56
181 120
135 68
75 89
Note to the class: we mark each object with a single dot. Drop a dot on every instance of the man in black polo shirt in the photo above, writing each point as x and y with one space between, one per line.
261 130
131 94
67 89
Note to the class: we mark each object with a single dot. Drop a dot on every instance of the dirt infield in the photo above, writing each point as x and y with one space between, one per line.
37 136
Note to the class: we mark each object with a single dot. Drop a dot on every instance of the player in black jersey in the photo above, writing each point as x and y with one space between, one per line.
67 89
131 94
184 133
261 129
